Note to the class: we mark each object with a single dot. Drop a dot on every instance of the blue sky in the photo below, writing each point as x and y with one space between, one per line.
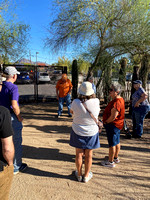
38 14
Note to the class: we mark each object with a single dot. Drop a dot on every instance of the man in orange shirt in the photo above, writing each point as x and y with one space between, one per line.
63 90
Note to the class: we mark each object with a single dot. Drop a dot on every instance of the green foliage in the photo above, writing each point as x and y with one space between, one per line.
13 35
63 61
104 29
83 66
120 26
136 59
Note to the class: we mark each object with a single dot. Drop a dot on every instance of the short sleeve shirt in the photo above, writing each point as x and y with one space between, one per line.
8 93
83 124
5 127
137 95
63 87
119 105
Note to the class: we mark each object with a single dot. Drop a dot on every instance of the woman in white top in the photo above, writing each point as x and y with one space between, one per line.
85 132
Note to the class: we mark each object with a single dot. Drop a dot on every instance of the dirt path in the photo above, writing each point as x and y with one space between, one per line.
51 163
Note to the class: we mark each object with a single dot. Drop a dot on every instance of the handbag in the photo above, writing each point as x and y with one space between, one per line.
99 122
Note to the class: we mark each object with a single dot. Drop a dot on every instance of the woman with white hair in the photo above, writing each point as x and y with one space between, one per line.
85 132
140 107
113 119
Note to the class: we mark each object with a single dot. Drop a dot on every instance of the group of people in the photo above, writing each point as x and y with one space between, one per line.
10 132
85 131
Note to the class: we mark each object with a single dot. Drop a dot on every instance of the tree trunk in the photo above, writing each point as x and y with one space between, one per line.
95 62
134 78
107 82
143 74
74 79
122 74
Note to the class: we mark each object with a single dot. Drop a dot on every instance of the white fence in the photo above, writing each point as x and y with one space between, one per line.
127 89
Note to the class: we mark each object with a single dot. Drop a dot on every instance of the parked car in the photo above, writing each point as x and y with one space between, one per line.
23 78
43 77
129 77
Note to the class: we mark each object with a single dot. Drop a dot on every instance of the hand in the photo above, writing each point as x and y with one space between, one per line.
20 119
137 104
100 124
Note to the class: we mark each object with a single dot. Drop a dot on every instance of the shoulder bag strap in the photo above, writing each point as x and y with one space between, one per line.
90 113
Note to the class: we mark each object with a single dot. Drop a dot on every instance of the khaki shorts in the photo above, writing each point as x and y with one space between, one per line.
6 177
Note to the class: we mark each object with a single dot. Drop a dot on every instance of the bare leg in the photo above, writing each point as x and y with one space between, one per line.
79 160
117 150
112 151
88 161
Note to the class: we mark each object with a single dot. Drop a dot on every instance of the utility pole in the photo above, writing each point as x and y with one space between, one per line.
30 56
36 80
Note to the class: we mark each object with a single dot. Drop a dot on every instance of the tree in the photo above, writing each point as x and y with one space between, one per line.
13 35
63 61
115 26
143 62
83 65
145 68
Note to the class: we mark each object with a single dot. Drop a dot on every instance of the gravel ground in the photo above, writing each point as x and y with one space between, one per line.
50 159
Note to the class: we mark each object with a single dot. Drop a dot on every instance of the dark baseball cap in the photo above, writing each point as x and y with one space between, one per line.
137 82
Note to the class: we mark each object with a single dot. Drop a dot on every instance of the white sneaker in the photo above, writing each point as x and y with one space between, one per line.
86 179
79 178
116 160
108 164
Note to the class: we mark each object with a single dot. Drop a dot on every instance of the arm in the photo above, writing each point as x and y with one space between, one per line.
113 116
70 87
143 97
57 94
70 90
16 110
71 111
8 149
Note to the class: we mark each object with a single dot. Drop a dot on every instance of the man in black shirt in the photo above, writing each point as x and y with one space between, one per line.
6 153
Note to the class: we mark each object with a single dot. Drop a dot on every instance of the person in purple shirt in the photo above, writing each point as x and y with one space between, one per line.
9 98
140 108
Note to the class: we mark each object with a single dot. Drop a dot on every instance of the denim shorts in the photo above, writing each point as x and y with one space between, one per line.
113 134
84 142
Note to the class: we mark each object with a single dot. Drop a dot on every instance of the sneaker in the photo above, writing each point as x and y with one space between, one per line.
23 167
86 179
16 171
79 178
58 116
108 164
116 160
70 115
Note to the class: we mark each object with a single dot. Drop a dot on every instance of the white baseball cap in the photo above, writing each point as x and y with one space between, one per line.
11 70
